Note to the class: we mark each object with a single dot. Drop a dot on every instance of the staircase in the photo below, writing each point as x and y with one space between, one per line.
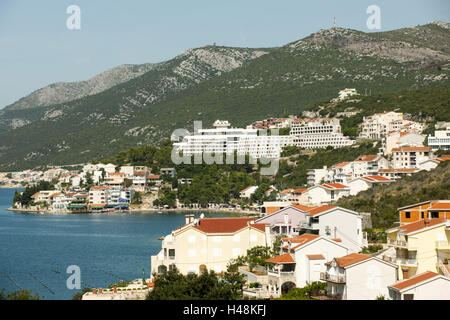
444 268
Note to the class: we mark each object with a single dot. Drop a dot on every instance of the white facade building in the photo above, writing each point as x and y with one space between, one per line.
318 133
440 140
410 157
225 140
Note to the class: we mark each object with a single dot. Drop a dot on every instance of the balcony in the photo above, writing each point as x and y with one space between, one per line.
282 275
397 243
325 276
407 262
443 245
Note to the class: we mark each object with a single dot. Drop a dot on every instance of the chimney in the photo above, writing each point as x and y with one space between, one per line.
115 288
94 291
405 273
100 291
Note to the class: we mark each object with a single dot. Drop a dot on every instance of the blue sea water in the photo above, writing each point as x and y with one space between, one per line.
37 249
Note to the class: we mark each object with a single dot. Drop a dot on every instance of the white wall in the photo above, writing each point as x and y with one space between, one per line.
369 279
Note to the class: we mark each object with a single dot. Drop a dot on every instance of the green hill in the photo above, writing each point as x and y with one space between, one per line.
383 201
146 110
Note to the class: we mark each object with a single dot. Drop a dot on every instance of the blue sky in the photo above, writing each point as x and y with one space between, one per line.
36 47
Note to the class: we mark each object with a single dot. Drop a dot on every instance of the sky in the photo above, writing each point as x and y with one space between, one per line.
37 48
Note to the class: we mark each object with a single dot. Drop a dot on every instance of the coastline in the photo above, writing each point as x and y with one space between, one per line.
140 210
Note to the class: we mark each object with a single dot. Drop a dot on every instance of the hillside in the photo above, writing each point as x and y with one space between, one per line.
266 82
383 201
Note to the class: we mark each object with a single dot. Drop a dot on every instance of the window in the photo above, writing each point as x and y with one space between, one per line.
435 215
253 238
408 296
407 214
191 239
236 252
192 253
217 252
423 215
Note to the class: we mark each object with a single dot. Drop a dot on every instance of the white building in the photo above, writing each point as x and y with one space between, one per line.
316 176
247 192
363 183
379 125
327 193
359 277
336 223
410 157
425 286
440 140
318 133
345 93
99 195
225 140
302 261
398 139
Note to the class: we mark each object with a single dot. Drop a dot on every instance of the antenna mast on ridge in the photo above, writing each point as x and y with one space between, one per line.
334 23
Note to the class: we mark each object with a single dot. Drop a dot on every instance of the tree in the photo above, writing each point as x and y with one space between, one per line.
172 285
18 295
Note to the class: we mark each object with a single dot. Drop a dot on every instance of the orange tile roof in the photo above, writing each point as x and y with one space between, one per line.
399 170
246 189
410 149
303 208
303 239
99 188
320 209
341 164
35 195
300 190
284 258
444 157
259 226
315 256
367 158
350 259
414 280
376 179
334 186
337 240
415 226
116 174
440 206
222 225
285 191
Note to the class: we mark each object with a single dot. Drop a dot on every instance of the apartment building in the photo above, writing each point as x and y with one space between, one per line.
359 277
326 193
440 139
209 243
301 261
425 286
284 221
316 176
397 139
225 140
318 133
420 246
410 157
336 223
364 183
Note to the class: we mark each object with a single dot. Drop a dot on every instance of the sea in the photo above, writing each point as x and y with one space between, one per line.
39 252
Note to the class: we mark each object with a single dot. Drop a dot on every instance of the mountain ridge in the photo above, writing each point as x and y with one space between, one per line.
145 110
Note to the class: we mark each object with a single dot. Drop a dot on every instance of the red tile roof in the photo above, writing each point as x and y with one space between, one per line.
334 186
367 158
350 259
303 208
285 191
246 189
299 190
440 206
284 258
224 225
315 256
414 280
302 240
376 179
410 149
320 209
415 226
